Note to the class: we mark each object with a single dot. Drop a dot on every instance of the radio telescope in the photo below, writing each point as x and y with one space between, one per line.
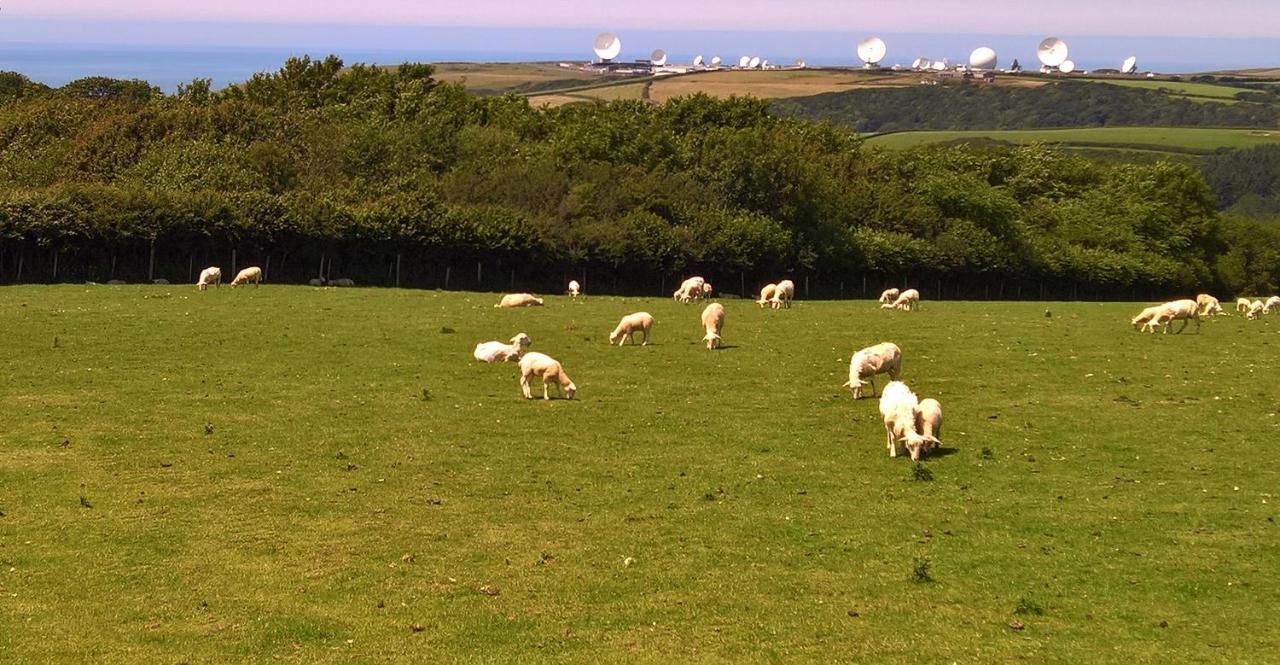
715 61
753 62
607 46
801 64
744 61
1130 65
697 62
658 58
1067 67
983 57
1052 52
871 51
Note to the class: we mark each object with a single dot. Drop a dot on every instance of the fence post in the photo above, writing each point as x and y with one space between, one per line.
447 271
266 270
397 271
320 272
233 260
806 287
151 262
55 265
742 279
19 278
479 272
113 266
191 267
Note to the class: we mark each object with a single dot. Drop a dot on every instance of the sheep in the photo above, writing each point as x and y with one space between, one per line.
497 351
1243 305
519 300
160 282
211 275
1272 304
1208 305
783 295
929 419
713 321
317 281
883 358
542 365
1145 318
1184 310
907 300
898 407
575 289
342 281
1256 310
766 294
888 296
247 275
707 290
689 290
628 326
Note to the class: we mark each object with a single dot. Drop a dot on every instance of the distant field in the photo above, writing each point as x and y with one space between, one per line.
497 78
795 82
605 93
1149 138
1178 87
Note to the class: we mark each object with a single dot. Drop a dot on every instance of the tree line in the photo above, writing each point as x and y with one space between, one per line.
391 177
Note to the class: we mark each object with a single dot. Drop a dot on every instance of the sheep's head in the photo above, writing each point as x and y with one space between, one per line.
712 340
918 445
570 390
521 340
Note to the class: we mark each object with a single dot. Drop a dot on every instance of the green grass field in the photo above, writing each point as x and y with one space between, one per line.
1112 492
1181 139
1177 88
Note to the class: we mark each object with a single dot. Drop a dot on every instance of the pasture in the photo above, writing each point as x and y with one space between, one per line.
326 475
1164 139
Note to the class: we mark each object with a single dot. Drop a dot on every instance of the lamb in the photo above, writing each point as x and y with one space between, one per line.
1256 310
575 289
713 321
907 300
1183 310
898 406
766 294
883 358
211 275
317 281
689 290
1146 318
1243 305
1208 305
342 281
707 290
542 365
929 419
782 297
628 326
1272 304
888 296
247 275
491 352
519 300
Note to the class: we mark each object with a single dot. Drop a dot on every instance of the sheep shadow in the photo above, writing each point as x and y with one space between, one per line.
942 451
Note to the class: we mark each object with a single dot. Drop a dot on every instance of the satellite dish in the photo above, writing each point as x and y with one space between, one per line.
1052 52
1067 67
801 63
1130 65
983 57
744 61
715 61
753 62
658 57
697 62
1017 66
607 46
940 66
764 64
871 51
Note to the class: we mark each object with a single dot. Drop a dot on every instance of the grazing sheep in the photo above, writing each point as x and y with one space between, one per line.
1243 305
782 297
707 290
1256 310
342 281
115 282
898 407
317 281
907 300
247 275
211 275
883 358
1144 319
929 419
628 326
1272 304
519 300
1208 305
160 282
766 294
690 289
497 351
1178 310
888 296
542 365
713 321
575 289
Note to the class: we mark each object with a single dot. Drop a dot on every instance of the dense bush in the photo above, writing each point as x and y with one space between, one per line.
389 176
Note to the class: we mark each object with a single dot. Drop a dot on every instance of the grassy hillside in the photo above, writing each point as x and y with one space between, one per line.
327 475
1176 139
497 78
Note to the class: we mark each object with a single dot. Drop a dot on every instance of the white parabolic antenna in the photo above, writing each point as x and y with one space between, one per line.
753 62
918 63
871 50
1052 52
715 61
983 57
1130 65
658 58
801 63
697 62
744 61
940 66
607 46
1067 67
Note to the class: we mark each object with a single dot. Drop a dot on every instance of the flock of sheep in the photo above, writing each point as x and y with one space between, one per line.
1163 315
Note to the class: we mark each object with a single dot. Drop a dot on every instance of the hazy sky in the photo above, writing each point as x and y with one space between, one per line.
1206 18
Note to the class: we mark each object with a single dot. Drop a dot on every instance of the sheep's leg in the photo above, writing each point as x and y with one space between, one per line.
524 386
893 448
646 337
1185 323
545 394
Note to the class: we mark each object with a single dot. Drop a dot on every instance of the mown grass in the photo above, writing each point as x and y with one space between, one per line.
1180 139
1177 88
1111 493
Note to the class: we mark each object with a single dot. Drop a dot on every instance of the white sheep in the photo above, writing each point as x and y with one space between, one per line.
707 290
317 281
627 327
1272 304
929 419
342 281
1178 310
766 294
907 300
1145 318
575 289
497 351
713 322
519 300
1243 305
1256 309
546 367
1208 305
783 295
888 296
690 289
898 407
883 358
253 274
211 275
